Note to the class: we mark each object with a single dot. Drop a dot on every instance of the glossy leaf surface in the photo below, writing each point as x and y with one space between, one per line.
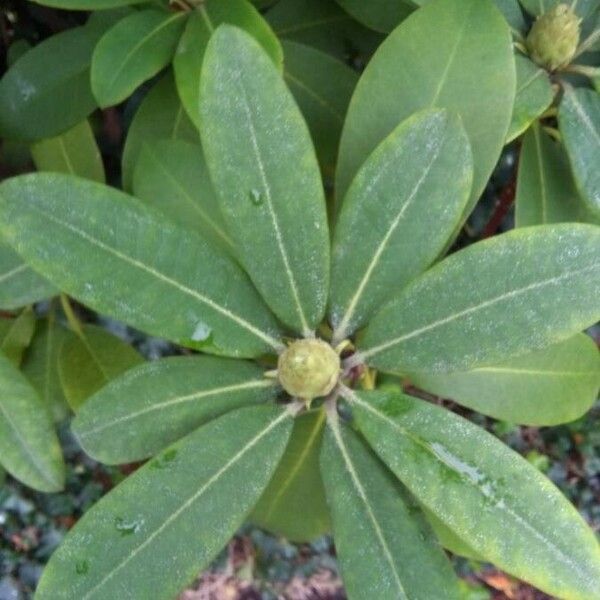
395 222
192 46
383 543
533 96
16 334
294 505
29 448
547 387
88 362
579 121
19 284
381 15
264 168
514 293
41 366
159 117
155 404
322 87
171 175
454 54
204 485
502 506
546 192
124 260
74 151
47 91
133 51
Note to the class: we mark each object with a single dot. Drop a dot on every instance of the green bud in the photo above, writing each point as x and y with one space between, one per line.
554 37
308 369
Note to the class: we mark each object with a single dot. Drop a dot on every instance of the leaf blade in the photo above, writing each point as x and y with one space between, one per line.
477 485
524 290
286 251
207 469
128 266
186 392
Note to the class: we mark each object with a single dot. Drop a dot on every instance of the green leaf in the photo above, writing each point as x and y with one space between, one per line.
184 506
263 165
88 362
322 87
87 4
395 222
547 387
122 259
506 296
133 51
29 448
190 51
16 334
157 403
383 543
41 366
502 506
171 175
74 151
47 91
20 285
294 505
380 15
449 539
513 14
454 54
159 117
546 192
534 95
322 24
579 121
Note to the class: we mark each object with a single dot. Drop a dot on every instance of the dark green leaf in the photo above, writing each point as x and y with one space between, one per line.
157 403
322 87
547 387
534 95
122 259
29 448
579 120
171 175
16 334
263 165
182 507
395 222
454 54
75 151
381 15
323 25
20 285
47 91
133 51
87 362
383 543
546 192
190 52
41 366
506 296
159 117
87 4
502 506
293 505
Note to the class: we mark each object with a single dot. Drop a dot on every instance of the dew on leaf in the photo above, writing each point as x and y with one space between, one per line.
256 197
165 459
201 332
82 567
127 527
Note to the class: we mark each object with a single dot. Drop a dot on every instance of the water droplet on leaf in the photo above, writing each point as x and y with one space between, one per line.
256 197
165 459
82 567
201 333
127 527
